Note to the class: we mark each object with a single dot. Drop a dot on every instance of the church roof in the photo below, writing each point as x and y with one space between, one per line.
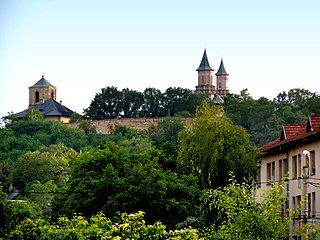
221 71
42 83
49 108
204 65
218 100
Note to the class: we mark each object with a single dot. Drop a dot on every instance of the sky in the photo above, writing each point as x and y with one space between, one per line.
82 46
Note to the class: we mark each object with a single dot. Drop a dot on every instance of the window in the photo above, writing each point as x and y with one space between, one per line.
294 167
259 176
298 202
296 207
271 171
37 96
313 205
299 166
312 163
281 173
52 95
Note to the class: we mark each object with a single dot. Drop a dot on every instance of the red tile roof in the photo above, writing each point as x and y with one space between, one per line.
294 132
315 122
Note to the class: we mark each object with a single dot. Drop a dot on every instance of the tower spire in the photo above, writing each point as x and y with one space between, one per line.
221 71
204 65
222 80
205 77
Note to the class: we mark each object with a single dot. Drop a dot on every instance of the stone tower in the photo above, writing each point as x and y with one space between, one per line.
222 81
205 76
40 92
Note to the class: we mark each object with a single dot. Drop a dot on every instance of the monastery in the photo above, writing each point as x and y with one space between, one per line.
42 95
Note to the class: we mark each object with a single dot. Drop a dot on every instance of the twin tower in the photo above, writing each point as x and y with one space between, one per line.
205 79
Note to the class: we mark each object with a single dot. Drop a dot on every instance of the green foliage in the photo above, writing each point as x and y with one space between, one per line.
42 195
113 103
167 130
214 147
33 115
238 215
42 165
76 117
130 226
12 213
264 118
115 178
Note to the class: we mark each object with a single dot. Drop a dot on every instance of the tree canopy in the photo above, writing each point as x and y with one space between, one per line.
113 103
214 147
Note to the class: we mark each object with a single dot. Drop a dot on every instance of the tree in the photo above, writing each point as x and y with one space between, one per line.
153 103
50 163
238 215
131 103
167 130
33 115
176 100
214 147
115 178
128 226
105 105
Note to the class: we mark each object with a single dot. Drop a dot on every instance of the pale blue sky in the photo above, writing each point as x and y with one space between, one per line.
82 46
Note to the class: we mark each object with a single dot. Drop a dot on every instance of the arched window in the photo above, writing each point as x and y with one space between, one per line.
52 95
37 96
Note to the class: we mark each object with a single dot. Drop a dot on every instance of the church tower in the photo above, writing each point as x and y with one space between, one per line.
222 81
205 76
40 92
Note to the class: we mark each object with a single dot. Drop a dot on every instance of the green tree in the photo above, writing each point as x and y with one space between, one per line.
153 103
114 178
214 147
50 163
33 115
238 215
167 130
176 100
105 105
128 226
131 103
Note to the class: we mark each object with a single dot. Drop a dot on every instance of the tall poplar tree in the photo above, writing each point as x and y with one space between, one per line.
215 147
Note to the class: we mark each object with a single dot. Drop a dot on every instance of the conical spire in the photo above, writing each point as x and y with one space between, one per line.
221 70
204 65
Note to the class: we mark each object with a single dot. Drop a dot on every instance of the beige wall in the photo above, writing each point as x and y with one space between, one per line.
58 118
44 94
106 126
295 181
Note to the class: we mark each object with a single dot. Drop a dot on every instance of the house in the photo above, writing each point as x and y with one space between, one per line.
295 154
42 97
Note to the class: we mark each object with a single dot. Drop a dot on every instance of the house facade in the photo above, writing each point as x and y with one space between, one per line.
295 156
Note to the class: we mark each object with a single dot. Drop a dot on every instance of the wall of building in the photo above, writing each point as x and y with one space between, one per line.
273 168
108 125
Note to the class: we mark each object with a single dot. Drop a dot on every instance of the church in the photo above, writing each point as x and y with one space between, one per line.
205 80
42 97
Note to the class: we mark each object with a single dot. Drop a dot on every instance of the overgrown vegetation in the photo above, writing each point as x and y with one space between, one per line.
169 182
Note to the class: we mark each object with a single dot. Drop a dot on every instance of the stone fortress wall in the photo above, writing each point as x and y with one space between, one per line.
108 125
